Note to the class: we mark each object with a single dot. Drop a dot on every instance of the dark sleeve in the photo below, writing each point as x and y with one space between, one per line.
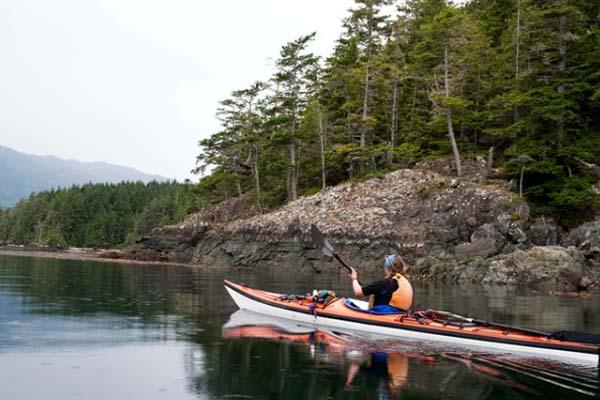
375 287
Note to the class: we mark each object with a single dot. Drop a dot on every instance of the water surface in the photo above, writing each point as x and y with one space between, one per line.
75 329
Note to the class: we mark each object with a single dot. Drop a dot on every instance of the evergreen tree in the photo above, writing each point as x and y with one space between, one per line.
292 79
368 25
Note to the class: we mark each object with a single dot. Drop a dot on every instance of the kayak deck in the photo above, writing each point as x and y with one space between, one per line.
336 314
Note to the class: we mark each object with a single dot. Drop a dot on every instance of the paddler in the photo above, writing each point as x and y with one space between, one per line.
394 290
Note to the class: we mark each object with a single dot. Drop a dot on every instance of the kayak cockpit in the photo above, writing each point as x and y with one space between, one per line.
363 306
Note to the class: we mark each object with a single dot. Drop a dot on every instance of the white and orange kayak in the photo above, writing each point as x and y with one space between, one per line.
351 315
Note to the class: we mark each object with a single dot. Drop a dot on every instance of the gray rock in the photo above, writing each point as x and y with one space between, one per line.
174 243
587 234
511 228
544 232
539 267
489 232
543 268
592 255
449 269
478 248
585 282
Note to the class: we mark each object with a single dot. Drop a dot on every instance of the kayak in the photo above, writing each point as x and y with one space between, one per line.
352 315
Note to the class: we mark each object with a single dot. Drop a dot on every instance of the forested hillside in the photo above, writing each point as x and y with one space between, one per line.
22 174
95 215
514 81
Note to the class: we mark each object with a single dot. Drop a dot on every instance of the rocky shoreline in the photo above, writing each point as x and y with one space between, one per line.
81 254
453 230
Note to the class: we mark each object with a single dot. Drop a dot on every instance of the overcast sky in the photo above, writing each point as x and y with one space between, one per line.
137 82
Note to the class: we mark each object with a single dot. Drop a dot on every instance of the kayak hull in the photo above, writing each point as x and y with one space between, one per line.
337 316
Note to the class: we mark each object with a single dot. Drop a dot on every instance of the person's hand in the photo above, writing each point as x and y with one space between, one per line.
353 274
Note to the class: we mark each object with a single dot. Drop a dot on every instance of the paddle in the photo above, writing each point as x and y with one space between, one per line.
489 323
581 337
322 243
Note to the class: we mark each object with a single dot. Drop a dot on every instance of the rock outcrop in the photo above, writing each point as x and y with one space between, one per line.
542 268
460 230
170 244
416 212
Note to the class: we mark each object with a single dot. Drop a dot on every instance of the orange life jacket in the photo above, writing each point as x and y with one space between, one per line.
402 297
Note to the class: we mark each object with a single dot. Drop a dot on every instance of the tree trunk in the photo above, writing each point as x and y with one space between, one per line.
412 107
490 162
517 51
363 125
517 39
292 180
521 181
449 117
239 187
321 145
365 113
256 176
394 126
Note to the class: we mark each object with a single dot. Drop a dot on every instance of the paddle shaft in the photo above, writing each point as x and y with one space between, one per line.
346 266
321 242
342 262
494 324
510 327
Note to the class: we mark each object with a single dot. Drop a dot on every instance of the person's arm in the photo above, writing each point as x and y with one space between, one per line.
355 285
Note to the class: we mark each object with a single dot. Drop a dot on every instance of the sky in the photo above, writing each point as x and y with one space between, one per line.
137 82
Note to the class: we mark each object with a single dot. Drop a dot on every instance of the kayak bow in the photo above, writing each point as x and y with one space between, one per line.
337 315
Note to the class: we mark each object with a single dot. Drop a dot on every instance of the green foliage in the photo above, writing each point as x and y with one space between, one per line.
522 77
96 215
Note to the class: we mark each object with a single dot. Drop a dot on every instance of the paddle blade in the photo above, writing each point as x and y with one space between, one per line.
328 249
321 242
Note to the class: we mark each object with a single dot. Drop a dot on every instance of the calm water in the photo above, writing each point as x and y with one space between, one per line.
72 329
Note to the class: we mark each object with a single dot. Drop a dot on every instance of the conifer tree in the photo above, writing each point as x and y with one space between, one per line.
292 79
368 25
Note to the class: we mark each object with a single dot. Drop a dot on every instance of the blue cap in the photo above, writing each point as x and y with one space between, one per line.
389 261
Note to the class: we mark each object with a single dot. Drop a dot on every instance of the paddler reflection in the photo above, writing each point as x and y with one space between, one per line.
390 367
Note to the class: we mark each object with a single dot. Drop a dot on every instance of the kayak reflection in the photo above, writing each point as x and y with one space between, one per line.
387 366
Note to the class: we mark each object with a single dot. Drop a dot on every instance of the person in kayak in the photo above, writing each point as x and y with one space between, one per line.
394 292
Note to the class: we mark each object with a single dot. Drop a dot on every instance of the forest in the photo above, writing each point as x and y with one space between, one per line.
516 82
513 81
95 215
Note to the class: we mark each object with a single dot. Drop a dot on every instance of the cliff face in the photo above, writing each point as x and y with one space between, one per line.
462 229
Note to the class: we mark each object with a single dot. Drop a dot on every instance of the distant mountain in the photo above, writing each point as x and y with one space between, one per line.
21 174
